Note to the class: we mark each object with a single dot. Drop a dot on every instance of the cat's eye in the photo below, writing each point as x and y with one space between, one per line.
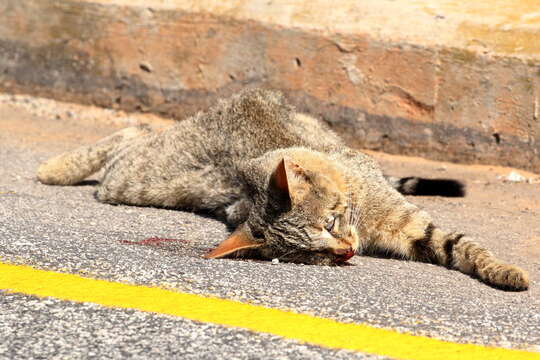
330 223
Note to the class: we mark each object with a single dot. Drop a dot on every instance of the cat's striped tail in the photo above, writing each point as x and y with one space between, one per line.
459 252
427 187
74 166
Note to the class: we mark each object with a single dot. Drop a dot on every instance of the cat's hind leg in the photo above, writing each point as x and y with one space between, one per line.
74 166
168 182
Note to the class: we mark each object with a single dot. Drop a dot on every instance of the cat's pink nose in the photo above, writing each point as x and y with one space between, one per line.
343 254
342 251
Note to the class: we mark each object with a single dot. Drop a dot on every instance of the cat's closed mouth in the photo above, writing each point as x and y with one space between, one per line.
344 257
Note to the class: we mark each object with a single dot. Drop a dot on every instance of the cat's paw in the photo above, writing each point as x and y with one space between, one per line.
508 277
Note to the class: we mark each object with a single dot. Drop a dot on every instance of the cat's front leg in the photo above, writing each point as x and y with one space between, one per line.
237 212
471 258
409 232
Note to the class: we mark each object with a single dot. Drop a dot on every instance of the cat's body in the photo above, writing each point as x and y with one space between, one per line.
290 186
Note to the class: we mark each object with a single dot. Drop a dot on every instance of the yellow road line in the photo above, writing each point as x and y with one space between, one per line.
300 327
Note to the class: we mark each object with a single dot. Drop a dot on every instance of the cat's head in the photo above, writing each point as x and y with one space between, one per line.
302 213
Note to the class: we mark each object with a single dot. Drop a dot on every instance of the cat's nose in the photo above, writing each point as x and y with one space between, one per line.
342 251
343 254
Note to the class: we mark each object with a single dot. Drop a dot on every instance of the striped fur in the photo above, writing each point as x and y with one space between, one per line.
285 180
72 167
428 243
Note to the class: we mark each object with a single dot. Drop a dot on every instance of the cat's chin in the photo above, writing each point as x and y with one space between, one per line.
329 259
316 258
322 260
301 257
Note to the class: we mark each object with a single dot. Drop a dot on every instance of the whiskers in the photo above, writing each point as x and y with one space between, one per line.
353 212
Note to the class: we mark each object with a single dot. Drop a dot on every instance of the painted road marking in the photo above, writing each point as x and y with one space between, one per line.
289 325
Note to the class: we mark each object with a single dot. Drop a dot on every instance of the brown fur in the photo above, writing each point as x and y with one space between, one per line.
289 184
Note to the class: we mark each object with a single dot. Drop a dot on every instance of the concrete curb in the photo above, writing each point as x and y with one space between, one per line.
468 94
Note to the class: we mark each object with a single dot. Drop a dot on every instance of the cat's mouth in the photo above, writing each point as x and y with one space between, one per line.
340 259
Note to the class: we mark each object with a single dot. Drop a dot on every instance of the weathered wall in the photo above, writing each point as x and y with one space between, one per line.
448 98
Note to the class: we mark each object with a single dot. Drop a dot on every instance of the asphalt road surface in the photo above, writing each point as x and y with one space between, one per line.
65 229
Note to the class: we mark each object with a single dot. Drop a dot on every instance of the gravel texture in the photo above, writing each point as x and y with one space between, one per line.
52 329
65 229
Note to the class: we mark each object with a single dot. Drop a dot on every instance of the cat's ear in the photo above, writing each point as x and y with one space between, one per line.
240 239
280 183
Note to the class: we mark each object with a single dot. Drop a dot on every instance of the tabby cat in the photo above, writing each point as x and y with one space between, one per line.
285 181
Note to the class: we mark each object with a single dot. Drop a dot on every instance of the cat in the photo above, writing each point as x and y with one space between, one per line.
288 184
